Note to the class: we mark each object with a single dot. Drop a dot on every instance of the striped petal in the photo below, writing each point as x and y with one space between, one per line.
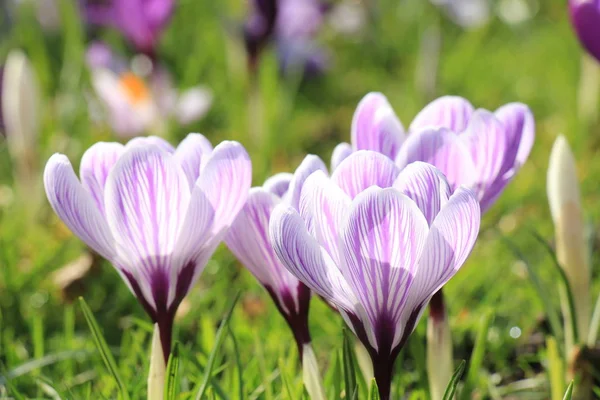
310 164
340 153
381 245
96 164
300 253
279 183
248 239
323 206
147 197
225 179
485 135
443 149
426 186
450 112
190 153
76 207
364 169
376 127
450 241
153 140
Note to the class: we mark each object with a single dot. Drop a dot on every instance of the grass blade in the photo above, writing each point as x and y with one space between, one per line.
569 392
594 324
374 391
172 370
543 294
477 355
348 367
555 369
564 282
238 364
451 388
102 347
220 337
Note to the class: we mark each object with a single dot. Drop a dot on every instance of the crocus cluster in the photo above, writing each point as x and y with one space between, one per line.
155 212
377 238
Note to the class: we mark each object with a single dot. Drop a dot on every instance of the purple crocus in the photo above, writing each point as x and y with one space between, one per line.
377 242
140 21
155 212
248 239
292 25
137 102
475 148
585 17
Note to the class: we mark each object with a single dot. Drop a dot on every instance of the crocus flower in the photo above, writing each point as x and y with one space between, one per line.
585 15
249 241
136 103
377 243
155 212
141 21
292 25
475 148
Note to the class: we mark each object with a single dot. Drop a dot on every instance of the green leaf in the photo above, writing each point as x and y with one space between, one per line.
451 388
374 390
102 347
555 369
172 370
569 392
351 385
477 355
238 364
220 337
564 283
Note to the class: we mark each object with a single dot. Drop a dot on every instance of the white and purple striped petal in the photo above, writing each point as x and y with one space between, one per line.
426 186
450 112
76 207
191 152
363 169
310 164
340 153
376 127
96 164
381 244
278 184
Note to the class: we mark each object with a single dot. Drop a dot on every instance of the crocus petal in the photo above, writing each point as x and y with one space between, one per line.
443 149
487 140
154 140
190 153
279 183
451 239
376 127
193 104
426 186
147 197
310 164
225 179
323 206
339 154
76 207
450 112
248 239
364 169
520 132
381 245
300 253
96 164
584 17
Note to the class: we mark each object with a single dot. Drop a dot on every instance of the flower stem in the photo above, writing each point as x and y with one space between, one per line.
439 347
156 375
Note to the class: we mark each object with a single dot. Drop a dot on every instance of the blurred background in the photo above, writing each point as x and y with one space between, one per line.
284 84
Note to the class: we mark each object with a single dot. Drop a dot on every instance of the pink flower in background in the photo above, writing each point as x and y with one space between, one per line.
137 102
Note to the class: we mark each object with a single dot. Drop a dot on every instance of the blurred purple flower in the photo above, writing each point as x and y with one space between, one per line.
585 17
248 239
155 212
136 103
140 21
377 242
475 148
292 25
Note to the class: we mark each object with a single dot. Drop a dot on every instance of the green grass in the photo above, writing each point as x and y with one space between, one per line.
46 348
